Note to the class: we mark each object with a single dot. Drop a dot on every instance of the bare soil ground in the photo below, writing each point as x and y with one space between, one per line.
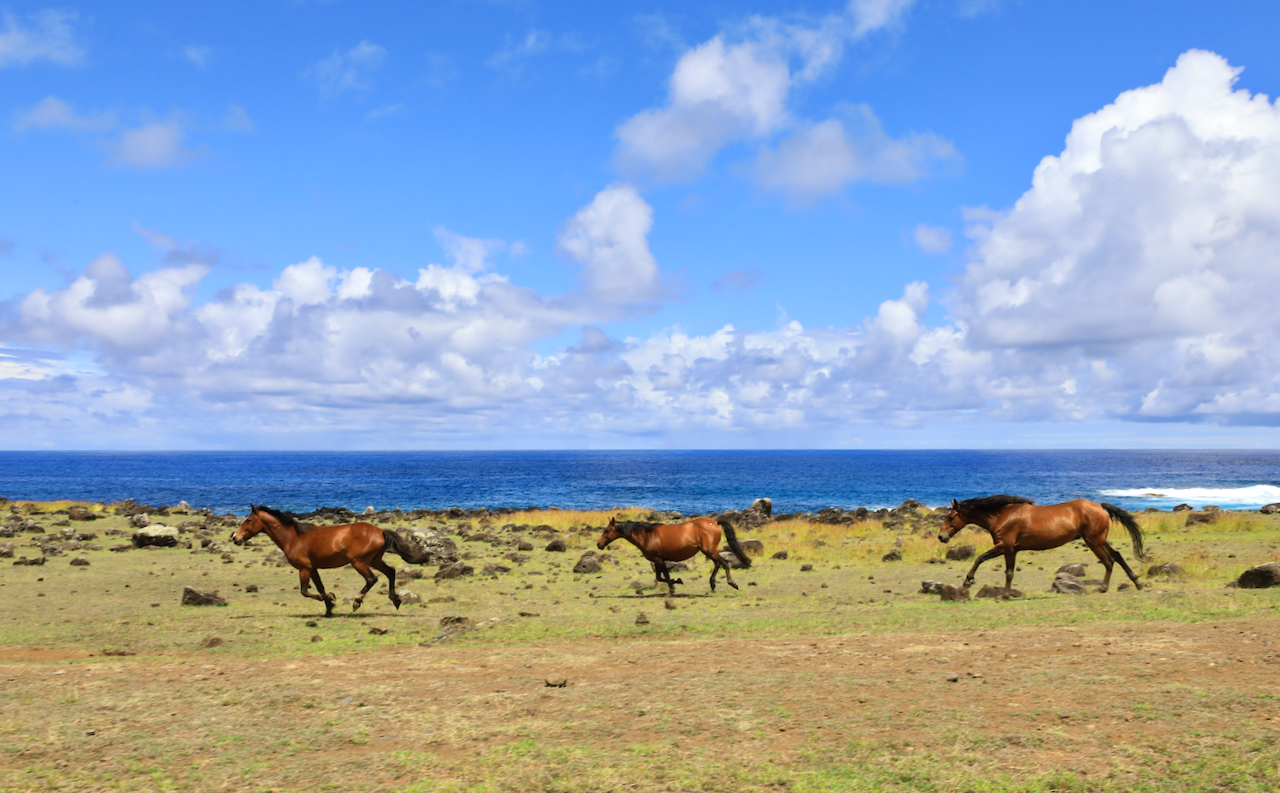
833 679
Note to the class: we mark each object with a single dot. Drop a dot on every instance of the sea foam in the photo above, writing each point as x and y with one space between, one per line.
1253 495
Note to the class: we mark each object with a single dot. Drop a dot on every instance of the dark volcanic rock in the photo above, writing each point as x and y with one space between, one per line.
953 594
892 556
752 547
455 570
779 555
1075 568
200 597
1067 584
957 553
156 535
1182 508
1260 577
931 587
557 545
989 592
1168 569
80 561
589 563
1270 509
80 513
494 569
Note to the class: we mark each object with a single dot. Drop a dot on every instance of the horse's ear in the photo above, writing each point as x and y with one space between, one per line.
954 503
253 510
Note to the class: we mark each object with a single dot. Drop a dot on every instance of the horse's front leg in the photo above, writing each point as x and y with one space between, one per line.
304 580
329 597
991 554
369 580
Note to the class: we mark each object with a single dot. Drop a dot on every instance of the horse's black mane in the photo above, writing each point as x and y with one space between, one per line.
626 528
288 519
990 505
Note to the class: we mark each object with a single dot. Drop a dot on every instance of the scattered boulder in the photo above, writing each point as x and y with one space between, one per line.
752 547
24 561
6 550
640 586
377 630
892 556
953 594
518 558
212 641
1270 509
642 619
760 512
80 513
155 534
958 553
1260 577
200 597
1168 569
251 588
731 559
557 545
1201 517
557 681
432 546
140 520
80 561
804 568
1067 584
1075 568
408 598
779 555
931 587
589 563
989 592
1209 508
493 569
525 545
455 570
1182 508
529 614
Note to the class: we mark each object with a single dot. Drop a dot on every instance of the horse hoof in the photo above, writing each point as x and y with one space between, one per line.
355 606
735 586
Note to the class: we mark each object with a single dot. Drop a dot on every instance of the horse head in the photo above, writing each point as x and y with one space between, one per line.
252 525
953 523
609 534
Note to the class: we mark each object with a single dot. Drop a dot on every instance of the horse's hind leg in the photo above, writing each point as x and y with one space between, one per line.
715 568
1010 560
1105 554
1125 566
390 573
369 580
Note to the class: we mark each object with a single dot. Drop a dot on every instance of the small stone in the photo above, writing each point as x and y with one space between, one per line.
251 588
80 561
557 545
311 623
931 587
953 594
212 641
892 556
670 604
804 568
642 619
953 678
779 555
377 630
557 681
200 597
315 639
958 553
529 614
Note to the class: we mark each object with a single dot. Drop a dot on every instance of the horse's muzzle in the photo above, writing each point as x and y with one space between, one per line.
233 539
600 545
944 538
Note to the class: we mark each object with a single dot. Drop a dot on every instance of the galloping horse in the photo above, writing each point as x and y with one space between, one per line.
674 542
1017 524
309 548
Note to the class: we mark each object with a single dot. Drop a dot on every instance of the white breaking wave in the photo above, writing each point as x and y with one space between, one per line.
1253 495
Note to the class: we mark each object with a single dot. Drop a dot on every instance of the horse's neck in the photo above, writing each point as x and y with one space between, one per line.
281 535
647 542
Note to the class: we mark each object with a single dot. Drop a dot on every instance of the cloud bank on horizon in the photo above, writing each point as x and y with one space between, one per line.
1130 282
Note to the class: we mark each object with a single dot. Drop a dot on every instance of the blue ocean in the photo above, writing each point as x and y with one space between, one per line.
689 481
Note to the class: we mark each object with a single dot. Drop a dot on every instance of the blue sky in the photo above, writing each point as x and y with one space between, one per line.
466 224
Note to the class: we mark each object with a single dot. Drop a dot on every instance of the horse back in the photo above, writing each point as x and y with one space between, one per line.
335 546
1032 527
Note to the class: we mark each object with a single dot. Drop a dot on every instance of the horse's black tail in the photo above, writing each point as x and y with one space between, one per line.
1135 532
732 537
399 545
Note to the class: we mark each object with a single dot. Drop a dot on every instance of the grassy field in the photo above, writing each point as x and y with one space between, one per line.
835 678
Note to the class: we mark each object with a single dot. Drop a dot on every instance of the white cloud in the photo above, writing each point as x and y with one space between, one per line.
153 145
514 55
609 238
932 239
737 87
53 113
350 71
47 36
237 120
821 159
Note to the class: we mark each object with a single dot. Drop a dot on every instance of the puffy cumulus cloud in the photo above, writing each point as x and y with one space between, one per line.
737 87
1146 244
43 36
932 239
610 239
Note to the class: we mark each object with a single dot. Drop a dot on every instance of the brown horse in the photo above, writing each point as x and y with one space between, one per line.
674 542
310 548
1017 524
